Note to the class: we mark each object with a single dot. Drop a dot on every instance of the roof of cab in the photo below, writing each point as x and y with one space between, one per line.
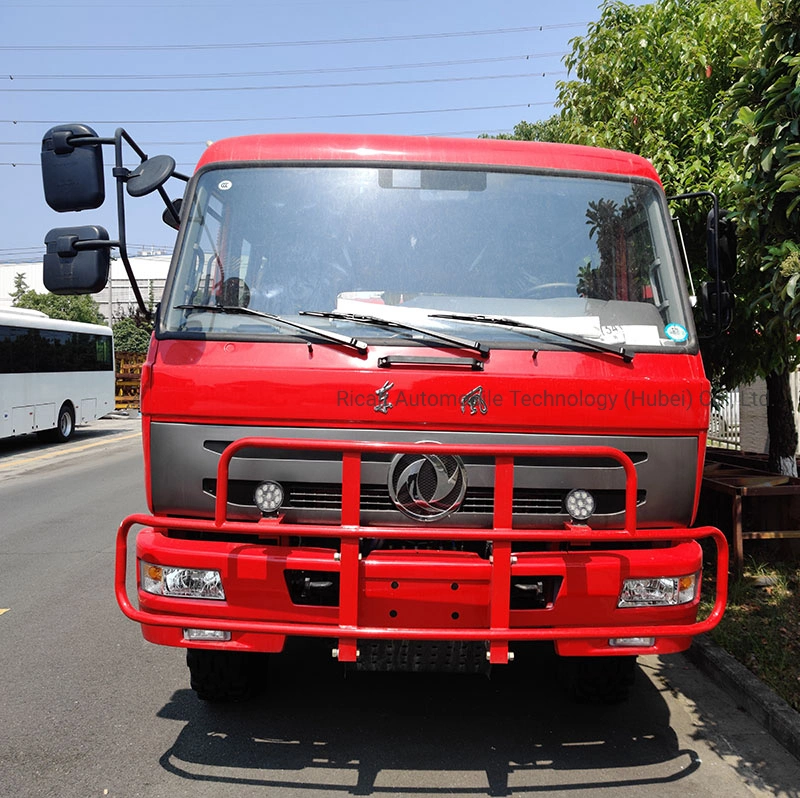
375 149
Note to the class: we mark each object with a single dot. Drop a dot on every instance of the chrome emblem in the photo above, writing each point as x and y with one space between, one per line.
474 401
384 405
427 487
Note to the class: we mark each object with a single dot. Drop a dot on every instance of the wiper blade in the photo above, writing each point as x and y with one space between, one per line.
327 335
525 328
378 321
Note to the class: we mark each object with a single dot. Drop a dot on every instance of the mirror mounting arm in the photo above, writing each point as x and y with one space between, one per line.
171 209
121 173
73 245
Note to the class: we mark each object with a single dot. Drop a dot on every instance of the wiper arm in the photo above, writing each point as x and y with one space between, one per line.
378 321
327 335
526 329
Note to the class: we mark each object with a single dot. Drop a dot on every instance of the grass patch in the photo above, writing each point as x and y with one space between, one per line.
761 625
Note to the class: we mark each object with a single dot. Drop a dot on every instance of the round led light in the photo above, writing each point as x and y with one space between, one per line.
268 496
580 504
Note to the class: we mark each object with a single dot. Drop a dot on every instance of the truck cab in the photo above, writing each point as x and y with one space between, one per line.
426 398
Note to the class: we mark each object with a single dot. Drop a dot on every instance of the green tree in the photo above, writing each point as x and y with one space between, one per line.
766 137
20 287
72 308
651 79
552 129
132 329
132 333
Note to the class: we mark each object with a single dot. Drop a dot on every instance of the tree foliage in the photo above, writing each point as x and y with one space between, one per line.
72 308
552 129
766 147
132 333
651 79
132 329
766 139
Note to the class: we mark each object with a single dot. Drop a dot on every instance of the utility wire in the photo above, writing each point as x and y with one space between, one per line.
288 118
299 43
287 72
228 89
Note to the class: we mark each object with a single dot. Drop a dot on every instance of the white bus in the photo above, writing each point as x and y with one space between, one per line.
54 374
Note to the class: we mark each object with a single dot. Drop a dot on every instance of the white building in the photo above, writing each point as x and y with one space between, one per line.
115 299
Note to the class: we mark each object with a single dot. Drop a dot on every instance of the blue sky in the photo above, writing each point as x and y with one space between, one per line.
177 74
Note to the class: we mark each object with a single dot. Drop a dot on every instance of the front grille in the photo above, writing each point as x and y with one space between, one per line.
541 502
186 459
375 498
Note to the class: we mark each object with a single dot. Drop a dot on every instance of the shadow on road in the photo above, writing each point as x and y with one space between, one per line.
96 431
372 734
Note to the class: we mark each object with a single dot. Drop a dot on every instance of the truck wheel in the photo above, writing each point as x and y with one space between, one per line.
597 680
225 675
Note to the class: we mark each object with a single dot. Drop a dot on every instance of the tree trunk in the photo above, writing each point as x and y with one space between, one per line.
781 426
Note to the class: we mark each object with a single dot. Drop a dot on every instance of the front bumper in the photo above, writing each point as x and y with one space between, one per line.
420 595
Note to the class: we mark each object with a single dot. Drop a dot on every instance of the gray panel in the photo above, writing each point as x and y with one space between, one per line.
185 457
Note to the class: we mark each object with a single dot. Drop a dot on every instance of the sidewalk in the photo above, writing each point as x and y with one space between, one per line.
750 693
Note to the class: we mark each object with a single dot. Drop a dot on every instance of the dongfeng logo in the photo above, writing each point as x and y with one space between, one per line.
427 487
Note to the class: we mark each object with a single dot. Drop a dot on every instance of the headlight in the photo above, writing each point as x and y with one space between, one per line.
164 580
665 591
580 504
268 496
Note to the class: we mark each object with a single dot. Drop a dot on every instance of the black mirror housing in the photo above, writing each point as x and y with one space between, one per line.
150 175
77 260
716 304
72 172
168 217
721 242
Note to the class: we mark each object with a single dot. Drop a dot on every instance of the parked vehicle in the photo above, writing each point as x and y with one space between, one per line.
424 397
54 374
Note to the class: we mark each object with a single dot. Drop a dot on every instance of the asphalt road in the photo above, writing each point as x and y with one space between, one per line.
87 708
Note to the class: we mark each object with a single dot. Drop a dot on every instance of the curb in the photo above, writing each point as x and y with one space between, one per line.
749 692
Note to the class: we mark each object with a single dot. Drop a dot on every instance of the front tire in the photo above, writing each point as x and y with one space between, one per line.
222 676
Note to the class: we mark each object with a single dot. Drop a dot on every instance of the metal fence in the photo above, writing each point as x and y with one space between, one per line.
724 430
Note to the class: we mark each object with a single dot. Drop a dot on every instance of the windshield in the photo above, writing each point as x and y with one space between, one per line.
580 254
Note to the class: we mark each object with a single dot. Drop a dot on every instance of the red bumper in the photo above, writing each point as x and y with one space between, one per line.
421 595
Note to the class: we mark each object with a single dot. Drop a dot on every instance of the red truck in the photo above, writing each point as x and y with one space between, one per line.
426 398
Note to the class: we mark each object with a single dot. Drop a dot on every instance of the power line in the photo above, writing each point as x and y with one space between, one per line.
352 85
287 72
298 43
310 117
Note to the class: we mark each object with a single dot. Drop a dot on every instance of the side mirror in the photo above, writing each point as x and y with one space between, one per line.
77 260
150 175
72 169
171 219
716 304
721 243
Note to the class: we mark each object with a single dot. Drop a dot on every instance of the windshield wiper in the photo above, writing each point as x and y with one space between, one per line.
326 335
378 321
527 329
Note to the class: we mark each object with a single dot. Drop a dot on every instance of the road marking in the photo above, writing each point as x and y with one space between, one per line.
62 452
3 612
